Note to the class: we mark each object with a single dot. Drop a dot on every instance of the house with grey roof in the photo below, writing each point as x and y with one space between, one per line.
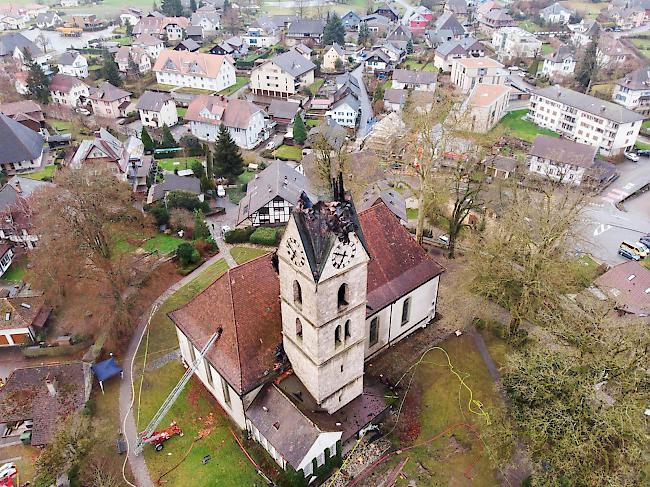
414 80
346 111
457 7
174 182
633 91
283 75
307 31
22 149
447 52
187 45
157 109
110 101
611 128
271 195
48 20
73 63
560 63
381 192
351 21
332 55
234 47
556 14
208 19
447 21
283 112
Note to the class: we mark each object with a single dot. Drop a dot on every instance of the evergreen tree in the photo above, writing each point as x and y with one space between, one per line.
110 70
209 165
193 5
198 169
299 130
155 6
168 140
128 27
37 82
364 33
409 46
379 92
201 230
147 141
228 161
587 68
334 30
172 8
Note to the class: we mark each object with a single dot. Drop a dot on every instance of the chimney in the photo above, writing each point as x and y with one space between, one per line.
18 188
51 383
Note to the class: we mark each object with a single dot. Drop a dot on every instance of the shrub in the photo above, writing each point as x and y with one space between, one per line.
264 236
239 235
244 187
160 214
186 200
187 254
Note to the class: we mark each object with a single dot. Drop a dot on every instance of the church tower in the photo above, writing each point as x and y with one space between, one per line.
323 268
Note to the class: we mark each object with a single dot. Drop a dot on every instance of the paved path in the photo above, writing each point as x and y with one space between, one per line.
138 465
366 107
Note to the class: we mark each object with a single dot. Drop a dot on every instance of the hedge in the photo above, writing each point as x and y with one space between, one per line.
264 236
239 235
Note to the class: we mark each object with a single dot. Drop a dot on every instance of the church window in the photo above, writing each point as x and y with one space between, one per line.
192 353
208 372
337 336
374 331
226 391
298 328
406 310
343 296
297 293
347 329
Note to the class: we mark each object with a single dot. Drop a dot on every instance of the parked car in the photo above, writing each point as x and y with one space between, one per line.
631 156
225 229
444 239
645 240
628 255
643 152
83 111
221 191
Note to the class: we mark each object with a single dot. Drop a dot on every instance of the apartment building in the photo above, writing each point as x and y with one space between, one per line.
283 75
585 119
485 107
195 70
515 43
157 109
633 91
561 160
468 72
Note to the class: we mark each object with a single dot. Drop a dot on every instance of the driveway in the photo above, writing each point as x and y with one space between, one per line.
366 107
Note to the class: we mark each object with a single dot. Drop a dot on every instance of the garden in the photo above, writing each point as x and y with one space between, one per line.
517 126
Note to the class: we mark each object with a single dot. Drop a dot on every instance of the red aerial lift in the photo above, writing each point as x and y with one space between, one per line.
8 475
157 438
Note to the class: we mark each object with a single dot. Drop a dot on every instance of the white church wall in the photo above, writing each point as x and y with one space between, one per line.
383 317
422 309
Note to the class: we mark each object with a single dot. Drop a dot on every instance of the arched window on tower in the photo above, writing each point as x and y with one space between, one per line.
343 298
337 336
298 328
297 293
347 333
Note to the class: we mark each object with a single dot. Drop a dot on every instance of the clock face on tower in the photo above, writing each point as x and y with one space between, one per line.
295 253
343 254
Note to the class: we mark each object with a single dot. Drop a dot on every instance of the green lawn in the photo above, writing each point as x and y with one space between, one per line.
46 172
244 254
413 65
163 243
529 26
161 87
177 163
60 125
585 7
315 86
523 129
547 49
444 404
292 152
642 145
646 124
194 91
16 272
412 213
123 41
245 177
313 122
181 111
241 81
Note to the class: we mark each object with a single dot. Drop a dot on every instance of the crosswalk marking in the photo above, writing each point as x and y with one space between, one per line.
615 195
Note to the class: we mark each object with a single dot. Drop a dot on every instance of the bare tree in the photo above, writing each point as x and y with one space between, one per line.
301 7
42 41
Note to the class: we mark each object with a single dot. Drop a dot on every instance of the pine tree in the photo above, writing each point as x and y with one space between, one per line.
155 6
128 27
193 5
201 230
228 161
409 46
110 70
587 68
209 165
168 140
364 33
38 83
147 141
172 8
299 130
334 31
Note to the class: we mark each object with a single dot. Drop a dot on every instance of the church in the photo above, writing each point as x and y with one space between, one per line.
299 324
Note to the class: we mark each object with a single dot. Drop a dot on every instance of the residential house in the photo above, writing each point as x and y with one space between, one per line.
130 15
305 31
195 33
169 28
419 19
195 70
126 160
628 286
561 63
26 112
351 21
263 32
234 47
378 61
583 32
22 148
152 45
283 75
435 38
406 79
271 196
346 111
187 45
494 20
400 37
55 391
22 319
73 64
14 22
87 22
562 160
174 182
68 91
69 3
381 193
485 107
468 72
331 55
377 24
387 11
245 121
456 49
515 43
15 40
208 20
556 14
16 214
633 91
48 20
611 50
38 56
585 119
395 99
294 414
283 112
500 167
109 101
303 50
157 109
448 22
457 7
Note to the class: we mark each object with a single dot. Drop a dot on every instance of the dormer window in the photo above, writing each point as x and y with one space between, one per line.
170 65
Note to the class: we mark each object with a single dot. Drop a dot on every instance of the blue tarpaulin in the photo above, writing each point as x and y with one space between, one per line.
106 369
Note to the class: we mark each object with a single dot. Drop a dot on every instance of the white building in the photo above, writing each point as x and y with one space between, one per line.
346 111
331 55
561 63
68 91
208 20
132 59
448 51
151 44
157 109
556 14
485 107
172 28
38 56
195 70
73 64
468 72
22 148
245 121
633 91
585 119
262 33
515 43
561 159
283 75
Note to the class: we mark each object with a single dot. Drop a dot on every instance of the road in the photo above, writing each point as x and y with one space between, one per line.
366 107
604 226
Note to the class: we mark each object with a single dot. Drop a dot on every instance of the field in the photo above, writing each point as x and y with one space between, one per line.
643 45
529 26
292 152
523 129
241 81
589 9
